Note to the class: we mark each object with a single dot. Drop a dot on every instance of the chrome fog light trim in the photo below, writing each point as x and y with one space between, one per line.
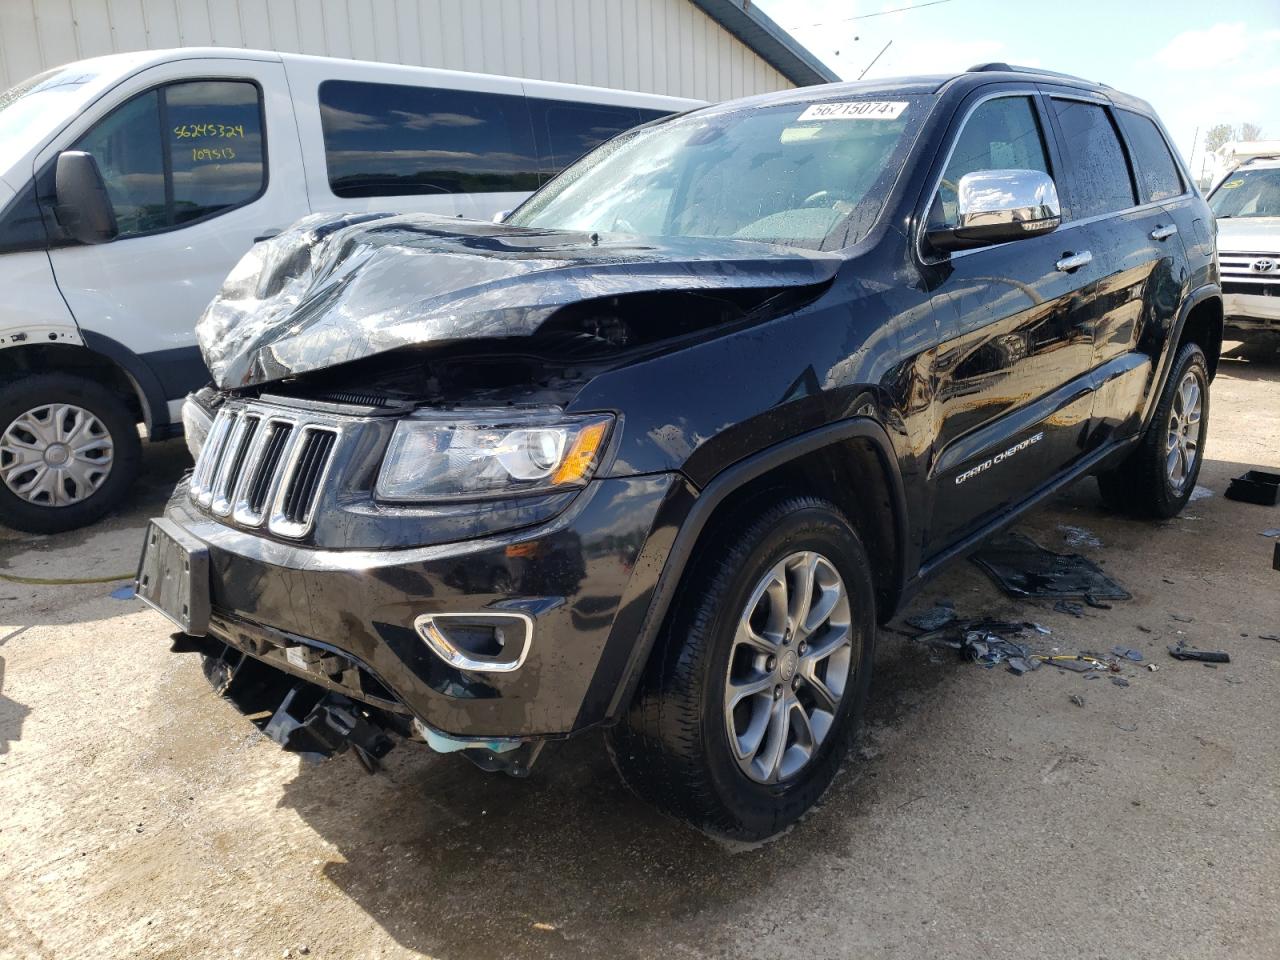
432 628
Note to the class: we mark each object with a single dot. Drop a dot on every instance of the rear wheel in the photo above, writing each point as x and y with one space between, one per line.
69 452
1159 476
759 679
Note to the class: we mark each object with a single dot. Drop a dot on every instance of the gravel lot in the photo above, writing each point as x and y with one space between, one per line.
985 815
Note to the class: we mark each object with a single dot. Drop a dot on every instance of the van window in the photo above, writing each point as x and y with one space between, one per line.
567 131
180 153
1158 176
1101 183
1000 134
387 140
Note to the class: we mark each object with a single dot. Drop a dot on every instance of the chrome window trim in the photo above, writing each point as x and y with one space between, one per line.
922 213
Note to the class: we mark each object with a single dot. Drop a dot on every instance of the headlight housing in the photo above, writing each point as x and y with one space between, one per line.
490 454
196 424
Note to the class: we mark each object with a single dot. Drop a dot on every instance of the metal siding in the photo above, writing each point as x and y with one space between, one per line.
653 46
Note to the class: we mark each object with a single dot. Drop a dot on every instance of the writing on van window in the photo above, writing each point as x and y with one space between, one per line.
210 160
196 131
212 153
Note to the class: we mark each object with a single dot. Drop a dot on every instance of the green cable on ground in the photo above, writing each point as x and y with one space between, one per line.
61 581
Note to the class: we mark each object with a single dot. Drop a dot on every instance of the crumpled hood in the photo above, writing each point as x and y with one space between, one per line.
1249 235
337 288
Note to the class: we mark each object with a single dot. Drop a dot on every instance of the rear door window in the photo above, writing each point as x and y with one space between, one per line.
1101 182
1157 171
387 140
567 131
180 153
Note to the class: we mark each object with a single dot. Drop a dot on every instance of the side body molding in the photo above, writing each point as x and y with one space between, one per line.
722 486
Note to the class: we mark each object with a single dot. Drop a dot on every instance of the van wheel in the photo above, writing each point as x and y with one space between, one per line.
758 680
69 452
1157 479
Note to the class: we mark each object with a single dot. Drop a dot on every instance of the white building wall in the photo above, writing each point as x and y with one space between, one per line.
655 46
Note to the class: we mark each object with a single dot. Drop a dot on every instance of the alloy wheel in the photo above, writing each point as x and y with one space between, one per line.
788 667
1183 443
55 455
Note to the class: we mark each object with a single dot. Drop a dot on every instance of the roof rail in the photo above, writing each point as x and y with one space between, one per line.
999 67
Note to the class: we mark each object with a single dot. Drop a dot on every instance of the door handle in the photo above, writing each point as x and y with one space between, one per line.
1074 261
1164 233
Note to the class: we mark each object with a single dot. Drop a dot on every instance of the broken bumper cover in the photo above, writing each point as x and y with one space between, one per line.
344 620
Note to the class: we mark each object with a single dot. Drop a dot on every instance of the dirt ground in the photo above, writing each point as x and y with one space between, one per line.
985 815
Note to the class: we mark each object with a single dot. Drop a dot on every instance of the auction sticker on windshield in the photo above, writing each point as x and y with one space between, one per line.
855 110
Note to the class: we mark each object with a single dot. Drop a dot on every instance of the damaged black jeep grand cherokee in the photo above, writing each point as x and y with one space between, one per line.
657 454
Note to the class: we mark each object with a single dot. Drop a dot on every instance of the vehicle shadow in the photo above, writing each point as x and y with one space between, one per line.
1251 361
427 846
12 713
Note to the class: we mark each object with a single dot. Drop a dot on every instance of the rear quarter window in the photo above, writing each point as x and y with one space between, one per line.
1156 170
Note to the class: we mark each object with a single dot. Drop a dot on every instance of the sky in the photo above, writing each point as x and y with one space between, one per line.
1197 63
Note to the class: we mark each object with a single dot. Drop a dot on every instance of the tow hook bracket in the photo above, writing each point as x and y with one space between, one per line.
323 727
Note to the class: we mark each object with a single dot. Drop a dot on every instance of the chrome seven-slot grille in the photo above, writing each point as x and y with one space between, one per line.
264 464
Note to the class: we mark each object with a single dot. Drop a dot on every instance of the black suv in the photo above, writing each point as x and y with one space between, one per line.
660 451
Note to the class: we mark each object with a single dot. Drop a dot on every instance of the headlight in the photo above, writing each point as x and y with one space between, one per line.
195 426
490 453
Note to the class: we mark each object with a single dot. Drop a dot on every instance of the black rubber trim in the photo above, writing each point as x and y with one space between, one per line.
715 492
155 407
1195 297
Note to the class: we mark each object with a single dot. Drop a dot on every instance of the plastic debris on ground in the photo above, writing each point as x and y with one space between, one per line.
1078 536
1255 486
1200 493
1023 568
1273 532
934 618
1129 653
123 593
1180 651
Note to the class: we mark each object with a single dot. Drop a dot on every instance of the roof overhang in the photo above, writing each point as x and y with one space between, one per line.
773 44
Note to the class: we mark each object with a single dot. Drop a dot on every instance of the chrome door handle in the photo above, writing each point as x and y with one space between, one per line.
1164 233
1074 261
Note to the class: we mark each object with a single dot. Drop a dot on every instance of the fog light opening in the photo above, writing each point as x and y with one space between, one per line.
481 642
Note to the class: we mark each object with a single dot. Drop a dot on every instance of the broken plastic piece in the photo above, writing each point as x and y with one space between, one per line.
1023 568
933 618
1129 653
1179 652
1120 681
1070 607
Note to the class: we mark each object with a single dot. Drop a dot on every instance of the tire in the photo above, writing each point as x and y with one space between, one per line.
28 408
1143 485
673 747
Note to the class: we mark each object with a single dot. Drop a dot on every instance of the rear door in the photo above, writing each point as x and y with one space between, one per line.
1013 386
1114 202
183 150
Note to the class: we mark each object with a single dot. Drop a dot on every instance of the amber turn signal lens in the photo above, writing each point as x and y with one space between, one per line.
581 457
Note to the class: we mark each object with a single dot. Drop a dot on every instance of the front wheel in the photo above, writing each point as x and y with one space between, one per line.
758 681
1159 476
69 452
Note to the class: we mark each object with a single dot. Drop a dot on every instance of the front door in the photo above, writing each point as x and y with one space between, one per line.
1012 378
183 149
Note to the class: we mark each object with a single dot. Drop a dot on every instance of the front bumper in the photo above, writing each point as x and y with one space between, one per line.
585 579
1251 312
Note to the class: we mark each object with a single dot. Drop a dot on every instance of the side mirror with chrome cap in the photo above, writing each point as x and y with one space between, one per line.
996 206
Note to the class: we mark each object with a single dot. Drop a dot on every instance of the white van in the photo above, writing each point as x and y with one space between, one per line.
202 152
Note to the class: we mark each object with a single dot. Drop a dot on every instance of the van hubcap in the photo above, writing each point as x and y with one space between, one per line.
1183 446
788 667
55 455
